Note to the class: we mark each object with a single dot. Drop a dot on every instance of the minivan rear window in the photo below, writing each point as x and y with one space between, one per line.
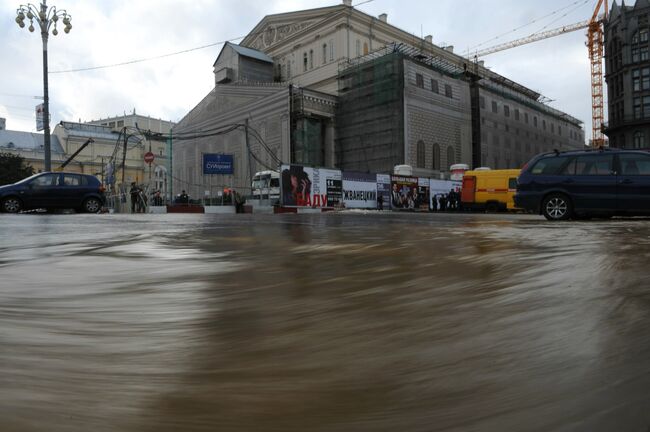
549 165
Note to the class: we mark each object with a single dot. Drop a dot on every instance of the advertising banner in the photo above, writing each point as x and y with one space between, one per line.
404 192
40 117
422 202
359 190
310 187
438 191
383 189
217 163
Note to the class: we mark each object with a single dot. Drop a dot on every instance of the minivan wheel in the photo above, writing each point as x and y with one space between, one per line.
557 207
92 205
12 205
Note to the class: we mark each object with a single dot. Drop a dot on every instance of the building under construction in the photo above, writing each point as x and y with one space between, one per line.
336 87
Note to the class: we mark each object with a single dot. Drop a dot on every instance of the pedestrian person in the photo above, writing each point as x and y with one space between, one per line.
380 202
135 193
157 199
443 202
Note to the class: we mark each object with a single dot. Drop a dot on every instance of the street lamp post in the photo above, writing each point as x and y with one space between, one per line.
45 18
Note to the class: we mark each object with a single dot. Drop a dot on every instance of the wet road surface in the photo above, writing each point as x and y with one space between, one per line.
332 322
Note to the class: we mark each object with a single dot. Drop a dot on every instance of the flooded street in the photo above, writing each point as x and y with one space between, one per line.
324 322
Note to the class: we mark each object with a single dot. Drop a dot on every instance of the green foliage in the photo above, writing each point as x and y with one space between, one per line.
13 168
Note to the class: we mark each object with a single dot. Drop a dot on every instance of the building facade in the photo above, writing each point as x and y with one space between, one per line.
354 92
627 73
30 146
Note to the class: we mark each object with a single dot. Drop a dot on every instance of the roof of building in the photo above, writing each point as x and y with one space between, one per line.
18 140
246 52
89 130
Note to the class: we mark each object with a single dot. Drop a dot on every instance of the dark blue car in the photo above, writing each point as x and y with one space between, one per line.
581 184
53 190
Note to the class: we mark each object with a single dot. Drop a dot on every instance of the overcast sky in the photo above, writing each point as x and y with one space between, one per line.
115 31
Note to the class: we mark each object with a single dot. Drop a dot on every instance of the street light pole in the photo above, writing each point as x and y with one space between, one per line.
45 18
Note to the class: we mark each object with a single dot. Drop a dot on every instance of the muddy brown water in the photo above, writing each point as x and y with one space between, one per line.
335 322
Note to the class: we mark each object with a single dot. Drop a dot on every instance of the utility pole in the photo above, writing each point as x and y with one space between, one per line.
170 173
250 163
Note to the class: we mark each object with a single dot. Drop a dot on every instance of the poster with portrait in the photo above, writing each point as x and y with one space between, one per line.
359 190
310 187
423 194
383 189
404 192
439 188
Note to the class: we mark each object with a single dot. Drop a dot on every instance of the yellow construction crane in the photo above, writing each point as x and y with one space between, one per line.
595 44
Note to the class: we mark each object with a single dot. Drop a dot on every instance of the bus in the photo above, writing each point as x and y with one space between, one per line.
266 186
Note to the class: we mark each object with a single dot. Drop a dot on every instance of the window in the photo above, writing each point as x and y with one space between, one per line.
643 35
451 156
644 53
331 49
512 183
311 59
636 103
71 180
365 48
358 48
434 86
526 118
482 102
304 62
544 124
646 106
559 130
599 164
639 140
635 54
421 155
45 180
506 110
120 123
419 80
495 108
516 114
645 78
535 121
552 127
549 166
324 53
636 80
288 69
436 157
635 164
448 92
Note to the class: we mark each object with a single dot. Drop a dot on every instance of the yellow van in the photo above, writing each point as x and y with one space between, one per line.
489 190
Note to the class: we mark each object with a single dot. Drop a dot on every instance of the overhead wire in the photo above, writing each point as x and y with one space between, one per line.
145 59
536 20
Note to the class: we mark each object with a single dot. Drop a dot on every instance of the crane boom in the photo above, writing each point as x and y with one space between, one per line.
533 38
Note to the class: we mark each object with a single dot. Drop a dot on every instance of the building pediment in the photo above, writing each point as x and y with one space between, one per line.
275 33
276 28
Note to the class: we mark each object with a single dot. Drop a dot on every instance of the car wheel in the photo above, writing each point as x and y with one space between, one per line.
492 207
12 205
557 207
92 205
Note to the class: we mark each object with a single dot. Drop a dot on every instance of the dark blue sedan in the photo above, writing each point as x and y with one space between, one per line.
53 190
586 183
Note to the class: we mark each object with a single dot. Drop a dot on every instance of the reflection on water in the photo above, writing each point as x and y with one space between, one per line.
335 322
